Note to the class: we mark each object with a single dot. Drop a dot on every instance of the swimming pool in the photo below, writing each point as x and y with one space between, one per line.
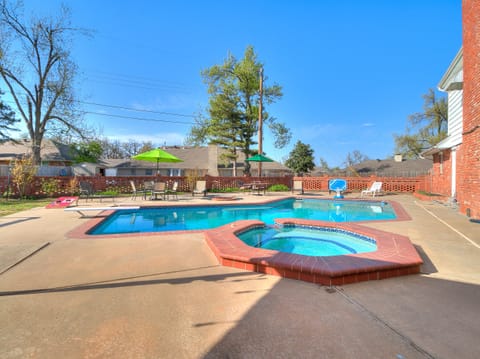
308 241
180 218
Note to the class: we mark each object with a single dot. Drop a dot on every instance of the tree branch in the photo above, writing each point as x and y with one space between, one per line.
14 95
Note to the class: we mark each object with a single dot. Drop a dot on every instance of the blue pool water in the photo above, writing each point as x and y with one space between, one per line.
163 219
308 241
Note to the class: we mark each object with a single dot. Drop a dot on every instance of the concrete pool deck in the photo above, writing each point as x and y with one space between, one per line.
165 296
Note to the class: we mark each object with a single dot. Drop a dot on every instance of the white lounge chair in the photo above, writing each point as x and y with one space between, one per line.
374 189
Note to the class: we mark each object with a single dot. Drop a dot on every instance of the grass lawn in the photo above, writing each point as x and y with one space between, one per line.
17 205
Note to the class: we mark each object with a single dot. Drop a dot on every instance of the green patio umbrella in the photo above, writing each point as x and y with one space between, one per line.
259 158
157 155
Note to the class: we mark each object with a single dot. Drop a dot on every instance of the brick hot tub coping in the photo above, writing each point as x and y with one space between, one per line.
395 255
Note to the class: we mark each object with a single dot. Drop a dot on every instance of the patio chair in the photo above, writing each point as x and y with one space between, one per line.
374 189
86 190
297 186
148 187
159 188
173 190
200 187
136 191
259 187
244 187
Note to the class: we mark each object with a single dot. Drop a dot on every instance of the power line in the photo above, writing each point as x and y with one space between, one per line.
132 109
134 81
137 118
137 110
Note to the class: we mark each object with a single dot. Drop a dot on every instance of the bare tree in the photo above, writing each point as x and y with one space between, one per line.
132 147
112 149
354 158
38 71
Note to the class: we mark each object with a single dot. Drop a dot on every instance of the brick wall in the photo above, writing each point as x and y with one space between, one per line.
442 173
311 184
469 159
357 184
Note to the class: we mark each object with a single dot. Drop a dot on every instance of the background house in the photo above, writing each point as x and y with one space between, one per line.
56 158
396 167
199 161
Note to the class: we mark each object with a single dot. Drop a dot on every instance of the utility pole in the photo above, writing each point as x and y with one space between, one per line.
260 122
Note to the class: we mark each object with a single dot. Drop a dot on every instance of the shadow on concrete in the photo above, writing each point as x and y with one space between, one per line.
409 317
128 282
16 220
427 267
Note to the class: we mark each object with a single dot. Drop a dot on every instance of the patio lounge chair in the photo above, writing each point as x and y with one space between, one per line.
200 187
297 186
374 189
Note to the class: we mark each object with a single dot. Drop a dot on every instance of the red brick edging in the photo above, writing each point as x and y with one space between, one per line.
395 256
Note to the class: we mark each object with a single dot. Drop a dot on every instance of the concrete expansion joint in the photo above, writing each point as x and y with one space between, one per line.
448 225
384 323
25 257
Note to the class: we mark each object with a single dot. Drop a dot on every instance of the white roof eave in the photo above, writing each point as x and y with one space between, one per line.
445 144
450 75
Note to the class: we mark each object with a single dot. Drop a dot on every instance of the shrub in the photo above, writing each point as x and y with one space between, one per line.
50 186
192 176
278 188
72 186
23 174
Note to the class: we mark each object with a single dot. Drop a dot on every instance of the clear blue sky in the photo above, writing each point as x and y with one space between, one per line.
351 71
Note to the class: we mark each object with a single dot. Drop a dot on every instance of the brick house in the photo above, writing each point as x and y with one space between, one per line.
468 170
456 168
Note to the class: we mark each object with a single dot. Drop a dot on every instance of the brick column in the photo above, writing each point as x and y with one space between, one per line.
468 173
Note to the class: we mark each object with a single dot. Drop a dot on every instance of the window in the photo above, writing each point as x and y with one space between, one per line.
175 172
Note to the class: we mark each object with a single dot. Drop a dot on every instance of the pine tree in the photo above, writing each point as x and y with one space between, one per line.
300 159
